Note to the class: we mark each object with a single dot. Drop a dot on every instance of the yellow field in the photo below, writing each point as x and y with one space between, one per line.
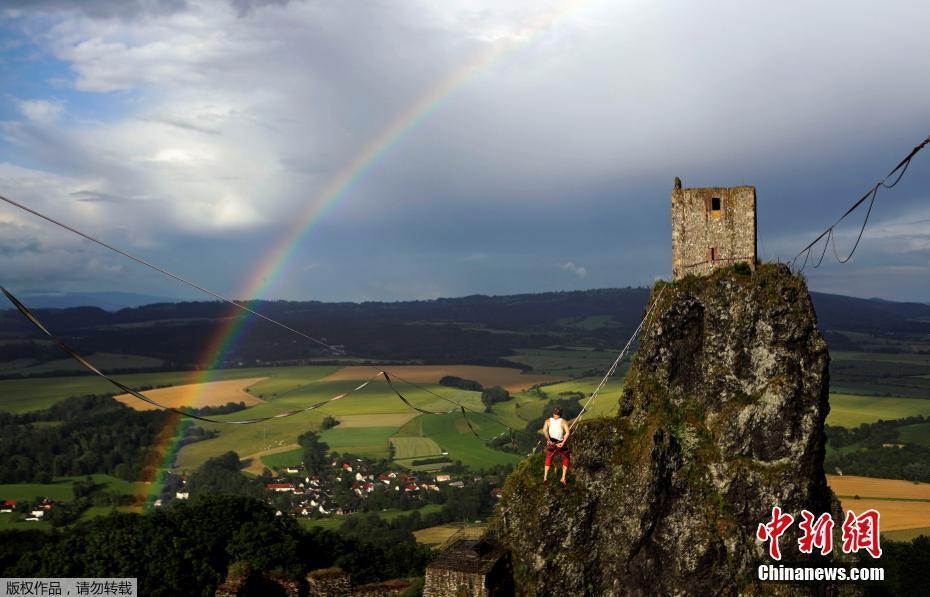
895 515
867 487
509 379
436 536
213 393
903 505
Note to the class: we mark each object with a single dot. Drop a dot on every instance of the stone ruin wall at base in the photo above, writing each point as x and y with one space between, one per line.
441 582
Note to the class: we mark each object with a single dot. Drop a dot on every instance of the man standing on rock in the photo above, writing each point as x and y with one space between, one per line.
556 432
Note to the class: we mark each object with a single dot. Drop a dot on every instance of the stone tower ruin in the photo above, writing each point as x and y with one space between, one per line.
712 227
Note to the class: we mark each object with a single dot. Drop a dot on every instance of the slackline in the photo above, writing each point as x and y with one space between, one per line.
95 370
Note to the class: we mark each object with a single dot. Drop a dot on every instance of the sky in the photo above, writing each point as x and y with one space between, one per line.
475 146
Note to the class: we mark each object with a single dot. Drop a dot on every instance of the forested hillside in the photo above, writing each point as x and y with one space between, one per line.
476 329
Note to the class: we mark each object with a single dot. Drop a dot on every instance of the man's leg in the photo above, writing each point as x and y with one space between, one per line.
564 458
549 454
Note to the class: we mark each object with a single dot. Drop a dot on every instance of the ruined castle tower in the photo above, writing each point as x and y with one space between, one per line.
712 226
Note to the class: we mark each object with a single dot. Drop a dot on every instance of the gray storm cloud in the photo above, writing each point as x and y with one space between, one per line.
234 117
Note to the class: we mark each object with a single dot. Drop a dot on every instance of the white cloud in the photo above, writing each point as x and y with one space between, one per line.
41 111
578 270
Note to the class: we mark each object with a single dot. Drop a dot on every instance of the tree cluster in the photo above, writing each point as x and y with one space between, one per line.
314 456
208 411
453 381
490 396
221 475
878 451
78 436
188 548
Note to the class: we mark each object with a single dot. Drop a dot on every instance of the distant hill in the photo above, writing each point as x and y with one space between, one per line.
837 312
474 329
109 301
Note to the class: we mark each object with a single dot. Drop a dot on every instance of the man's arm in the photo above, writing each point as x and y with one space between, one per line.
566 431
545 431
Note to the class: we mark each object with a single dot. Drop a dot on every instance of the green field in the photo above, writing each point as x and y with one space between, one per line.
878 374
15 522
59 492
372 442
915 434
414 447
283 459
567 363
851 410
288 379
335 522
372 416
604 405
60 489
453 436
252 439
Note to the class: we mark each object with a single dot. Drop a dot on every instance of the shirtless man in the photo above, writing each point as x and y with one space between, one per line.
556 432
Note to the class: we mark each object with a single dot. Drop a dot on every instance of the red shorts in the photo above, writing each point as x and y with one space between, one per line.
552 450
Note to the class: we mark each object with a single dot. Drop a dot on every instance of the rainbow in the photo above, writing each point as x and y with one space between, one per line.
337 188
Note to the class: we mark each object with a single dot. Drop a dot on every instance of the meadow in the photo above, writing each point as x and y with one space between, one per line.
390 514
60 490
847 410
36 393
374 420
566 362
915 434
368 419
879 374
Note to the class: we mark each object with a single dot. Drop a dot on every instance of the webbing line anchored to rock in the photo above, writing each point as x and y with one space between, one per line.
618 360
